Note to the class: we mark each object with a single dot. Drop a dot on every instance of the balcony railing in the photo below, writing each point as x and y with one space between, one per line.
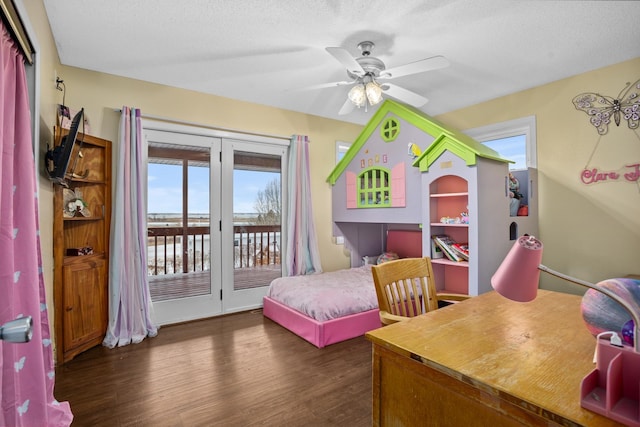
254 246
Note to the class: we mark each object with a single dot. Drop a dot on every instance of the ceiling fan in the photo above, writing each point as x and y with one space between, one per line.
365 72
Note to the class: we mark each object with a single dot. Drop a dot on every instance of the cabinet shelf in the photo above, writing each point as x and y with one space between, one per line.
443 224
455 187
80 293
445 261
449 198
71 259
80 181
460 194
83 218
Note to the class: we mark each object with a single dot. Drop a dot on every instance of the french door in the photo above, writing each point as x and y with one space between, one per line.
252 218
183 202
214 222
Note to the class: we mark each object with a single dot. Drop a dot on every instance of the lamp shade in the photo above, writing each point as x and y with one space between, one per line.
374 92
518 276
357 95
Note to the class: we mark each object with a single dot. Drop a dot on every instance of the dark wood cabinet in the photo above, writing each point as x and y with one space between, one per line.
81 248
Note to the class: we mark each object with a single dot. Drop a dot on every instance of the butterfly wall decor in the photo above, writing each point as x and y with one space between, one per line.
602 108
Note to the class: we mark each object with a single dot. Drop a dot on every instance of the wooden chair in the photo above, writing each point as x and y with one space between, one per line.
406 288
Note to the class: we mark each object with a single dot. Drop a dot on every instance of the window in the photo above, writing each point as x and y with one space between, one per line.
512 148
373 188
390 129
341 149
514 140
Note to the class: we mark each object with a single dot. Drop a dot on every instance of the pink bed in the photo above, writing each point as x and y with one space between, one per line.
335 306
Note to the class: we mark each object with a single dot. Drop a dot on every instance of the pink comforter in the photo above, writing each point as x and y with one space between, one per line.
327 296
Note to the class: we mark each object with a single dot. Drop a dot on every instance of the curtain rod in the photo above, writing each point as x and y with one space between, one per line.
16 28
201 125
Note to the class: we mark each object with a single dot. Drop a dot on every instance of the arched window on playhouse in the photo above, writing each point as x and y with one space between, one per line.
374 188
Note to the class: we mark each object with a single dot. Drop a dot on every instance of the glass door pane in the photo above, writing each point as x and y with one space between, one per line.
178 222
257 218
252 221
183 249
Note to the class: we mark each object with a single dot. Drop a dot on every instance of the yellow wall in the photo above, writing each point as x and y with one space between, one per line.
591 232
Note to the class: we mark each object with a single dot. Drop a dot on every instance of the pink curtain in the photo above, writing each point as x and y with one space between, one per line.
26 392
129 297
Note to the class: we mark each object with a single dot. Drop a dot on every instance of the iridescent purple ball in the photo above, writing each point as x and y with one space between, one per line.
602 313
628 331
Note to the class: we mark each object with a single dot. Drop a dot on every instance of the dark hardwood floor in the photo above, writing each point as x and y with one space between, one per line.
235 370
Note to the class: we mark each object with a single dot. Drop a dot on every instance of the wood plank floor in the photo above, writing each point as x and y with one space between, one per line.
235 370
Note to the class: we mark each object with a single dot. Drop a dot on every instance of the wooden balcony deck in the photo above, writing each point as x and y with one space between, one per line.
173 286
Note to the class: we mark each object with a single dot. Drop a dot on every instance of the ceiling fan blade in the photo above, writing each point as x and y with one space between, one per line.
324 85
344 57
347 107
404 95
428 64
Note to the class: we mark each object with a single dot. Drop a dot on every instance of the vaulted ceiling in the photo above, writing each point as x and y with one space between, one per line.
267 51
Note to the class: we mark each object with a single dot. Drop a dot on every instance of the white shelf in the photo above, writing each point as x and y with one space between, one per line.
465 194
446 261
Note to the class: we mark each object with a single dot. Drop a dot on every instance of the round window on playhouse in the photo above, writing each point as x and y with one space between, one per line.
390 129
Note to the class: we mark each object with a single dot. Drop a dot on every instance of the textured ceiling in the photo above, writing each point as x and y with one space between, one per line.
264 51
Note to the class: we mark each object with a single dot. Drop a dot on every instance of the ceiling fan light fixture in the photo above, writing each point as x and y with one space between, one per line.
374 92
357 95
365 71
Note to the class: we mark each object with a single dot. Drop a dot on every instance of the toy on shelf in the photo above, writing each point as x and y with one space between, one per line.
462 219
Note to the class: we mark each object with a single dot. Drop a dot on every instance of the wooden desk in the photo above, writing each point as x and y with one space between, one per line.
484 362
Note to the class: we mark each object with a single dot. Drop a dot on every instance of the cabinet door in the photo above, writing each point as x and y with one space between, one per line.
84 299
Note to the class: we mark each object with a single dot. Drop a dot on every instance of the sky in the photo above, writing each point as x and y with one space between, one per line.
165 189
512 148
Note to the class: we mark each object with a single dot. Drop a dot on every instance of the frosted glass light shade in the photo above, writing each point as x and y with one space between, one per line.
357 95
374 93
518 276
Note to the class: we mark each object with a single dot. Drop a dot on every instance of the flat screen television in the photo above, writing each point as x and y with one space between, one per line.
58 158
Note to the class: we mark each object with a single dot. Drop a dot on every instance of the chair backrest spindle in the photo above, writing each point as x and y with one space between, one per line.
406 288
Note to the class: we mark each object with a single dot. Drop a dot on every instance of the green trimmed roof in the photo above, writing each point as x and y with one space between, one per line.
444 139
